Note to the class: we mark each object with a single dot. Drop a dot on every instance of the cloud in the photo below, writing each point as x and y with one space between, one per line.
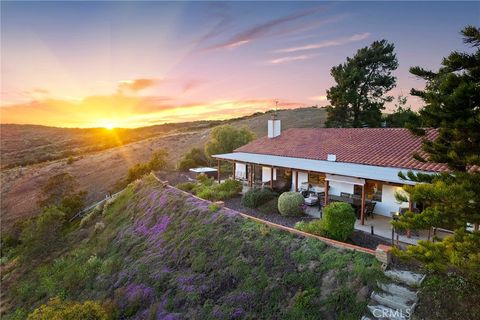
288 59
319 98
136 85
263 29
327 43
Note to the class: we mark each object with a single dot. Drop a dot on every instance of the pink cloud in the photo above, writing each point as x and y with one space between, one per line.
327 43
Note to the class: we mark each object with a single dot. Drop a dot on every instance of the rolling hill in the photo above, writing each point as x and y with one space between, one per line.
98 171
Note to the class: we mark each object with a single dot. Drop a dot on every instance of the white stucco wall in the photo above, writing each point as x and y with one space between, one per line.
337 187
240 170
266 174
389 203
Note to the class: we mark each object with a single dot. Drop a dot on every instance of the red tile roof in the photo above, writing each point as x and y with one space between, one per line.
386 147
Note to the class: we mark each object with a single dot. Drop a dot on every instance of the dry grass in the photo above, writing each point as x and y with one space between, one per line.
97 172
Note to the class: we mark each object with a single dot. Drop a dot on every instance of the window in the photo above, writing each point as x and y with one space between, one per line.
373 190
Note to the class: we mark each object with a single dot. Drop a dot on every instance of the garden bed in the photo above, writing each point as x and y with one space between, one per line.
358 237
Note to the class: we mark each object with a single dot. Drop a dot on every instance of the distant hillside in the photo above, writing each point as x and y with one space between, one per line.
157 253
30 144
98 171
295 118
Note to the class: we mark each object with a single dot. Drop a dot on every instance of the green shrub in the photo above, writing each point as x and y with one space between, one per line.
59 310
213 207
255 197
313 227
204 179
270 207
212 191
194 158
290 204
137 171
42 234
230 186
186 186
338 220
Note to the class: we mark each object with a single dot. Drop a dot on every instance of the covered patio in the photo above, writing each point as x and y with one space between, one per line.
321 181
380 226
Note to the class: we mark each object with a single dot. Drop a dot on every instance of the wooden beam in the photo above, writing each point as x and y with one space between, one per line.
218 171
234 166
271 177
326 191
296 180
362 207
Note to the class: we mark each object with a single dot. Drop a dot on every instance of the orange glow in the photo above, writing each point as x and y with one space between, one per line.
122 111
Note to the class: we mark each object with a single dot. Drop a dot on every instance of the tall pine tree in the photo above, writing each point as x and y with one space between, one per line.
359 96
452 104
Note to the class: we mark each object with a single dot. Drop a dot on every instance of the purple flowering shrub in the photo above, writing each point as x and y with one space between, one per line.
166 255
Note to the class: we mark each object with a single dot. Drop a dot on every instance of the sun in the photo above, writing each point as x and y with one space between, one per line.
109 126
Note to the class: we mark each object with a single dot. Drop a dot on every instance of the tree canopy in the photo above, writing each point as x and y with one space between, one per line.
402 116
359 96
452 104
450 200
226 138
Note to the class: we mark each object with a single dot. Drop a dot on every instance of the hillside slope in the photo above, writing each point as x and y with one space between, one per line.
158 253
97 172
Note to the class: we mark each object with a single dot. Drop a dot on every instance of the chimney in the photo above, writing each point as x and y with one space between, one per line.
274 127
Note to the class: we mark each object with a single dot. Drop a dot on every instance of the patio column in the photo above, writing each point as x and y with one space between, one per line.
410 208
271 177
253 175
326 191
296 180
234 165
362 207
218 171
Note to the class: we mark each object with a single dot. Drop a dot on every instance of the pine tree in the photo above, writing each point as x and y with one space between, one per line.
359 96
452 200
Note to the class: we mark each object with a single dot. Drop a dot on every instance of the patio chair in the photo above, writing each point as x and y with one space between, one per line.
369 207
311 200
356 196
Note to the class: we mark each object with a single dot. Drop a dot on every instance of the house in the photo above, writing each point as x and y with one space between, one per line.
335 161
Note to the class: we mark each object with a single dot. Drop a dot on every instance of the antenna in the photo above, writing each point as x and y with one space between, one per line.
275 109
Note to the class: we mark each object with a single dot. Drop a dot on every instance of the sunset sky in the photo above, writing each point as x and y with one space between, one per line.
129 64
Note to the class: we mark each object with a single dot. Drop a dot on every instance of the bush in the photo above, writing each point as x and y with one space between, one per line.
59 310
255 197
186 186
338 220
290 204
194 158
137 171
42 234
209 190
270 207
313 227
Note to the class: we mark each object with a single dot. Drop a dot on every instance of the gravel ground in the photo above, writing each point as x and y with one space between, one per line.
235 204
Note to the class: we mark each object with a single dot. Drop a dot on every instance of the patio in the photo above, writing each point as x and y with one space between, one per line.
381 227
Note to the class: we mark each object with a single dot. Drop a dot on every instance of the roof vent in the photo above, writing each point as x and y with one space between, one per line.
331 157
